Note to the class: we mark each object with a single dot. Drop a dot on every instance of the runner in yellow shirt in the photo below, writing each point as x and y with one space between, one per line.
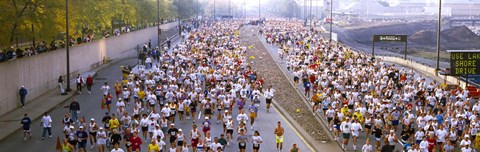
153 147
113 123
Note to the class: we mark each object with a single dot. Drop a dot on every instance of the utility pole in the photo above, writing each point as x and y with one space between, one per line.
158 23
305 12
229 8
331 19
214 9
311 16
197 8
259 11
438 35
68 47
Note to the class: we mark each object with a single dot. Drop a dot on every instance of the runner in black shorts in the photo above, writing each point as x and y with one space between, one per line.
242 141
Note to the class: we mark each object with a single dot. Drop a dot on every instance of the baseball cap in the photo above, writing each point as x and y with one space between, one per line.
206 117
81 127
72 127
92 119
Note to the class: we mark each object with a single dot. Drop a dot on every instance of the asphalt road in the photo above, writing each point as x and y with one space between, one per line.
362 138
90 108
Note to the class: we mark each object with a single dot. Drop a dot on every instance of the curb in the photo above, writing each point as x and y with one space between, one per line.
308 139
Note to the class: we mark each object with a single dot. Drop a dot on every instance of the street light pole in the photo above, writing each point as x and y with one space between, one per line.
158 23
68 47
197 9
259 13
305 12
214 9
331 19
311 16
438 34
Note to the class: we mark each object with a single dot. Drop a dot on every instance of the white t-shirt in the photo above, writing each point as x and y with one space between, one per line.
441 134
214 146
467 149
119 150
367 148
345 127
46 121
105 89
465 142
356 127
256 140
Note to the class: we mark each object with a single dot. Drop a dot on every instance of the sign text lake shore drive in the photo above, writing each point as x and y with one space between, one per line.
464 62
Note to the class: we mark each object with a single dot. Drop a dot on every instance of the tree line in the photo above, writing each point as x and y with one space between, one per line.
27 21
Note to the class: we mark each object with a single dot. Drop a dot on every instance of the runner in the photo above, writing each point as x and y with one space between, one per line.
253 113
82 138
356 128
92 130
136 142
230 126
153 147
26 121
279 131
257 141
367 147
345 127
206 126
269 94
101 139
242 141
67 147
194 137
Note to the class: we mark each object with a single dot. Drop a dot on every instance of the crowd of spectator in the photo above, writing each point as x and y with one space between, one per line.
12 52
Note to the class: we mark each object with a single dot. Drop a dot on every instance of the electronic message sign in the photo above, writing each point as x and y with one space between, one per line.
464 62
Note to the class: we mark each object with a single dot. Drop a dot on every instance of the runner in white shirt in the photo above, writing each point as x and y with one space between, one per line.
345 127
144 125
367 147
424 145
257 141
441 134
356 128
105 89
215 145
101 139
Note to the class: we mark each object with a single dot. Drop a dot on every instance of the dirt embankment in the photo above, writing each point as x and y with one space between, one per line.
285 94
421 35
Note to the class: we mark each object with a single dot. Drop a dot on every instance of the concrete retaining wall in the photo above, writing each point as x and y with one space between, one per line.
417 66
39 73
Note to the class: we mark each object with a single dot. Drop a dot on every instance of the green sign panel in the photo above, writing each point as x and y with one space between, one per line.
464 62
389 38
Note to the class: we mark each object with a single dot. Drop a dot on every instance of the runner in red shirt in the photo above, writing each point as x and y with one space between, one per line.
431 143
136 142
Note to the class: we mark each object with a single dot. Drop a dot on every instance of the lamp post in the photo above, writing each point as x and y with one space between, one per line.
197 8
214 9
438 35
331 19
158 23
311 16
305 12
259 10
68 47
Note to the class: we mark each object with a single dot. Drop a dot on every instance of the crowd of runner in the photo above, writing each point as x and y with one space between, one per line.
205 78
358 94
